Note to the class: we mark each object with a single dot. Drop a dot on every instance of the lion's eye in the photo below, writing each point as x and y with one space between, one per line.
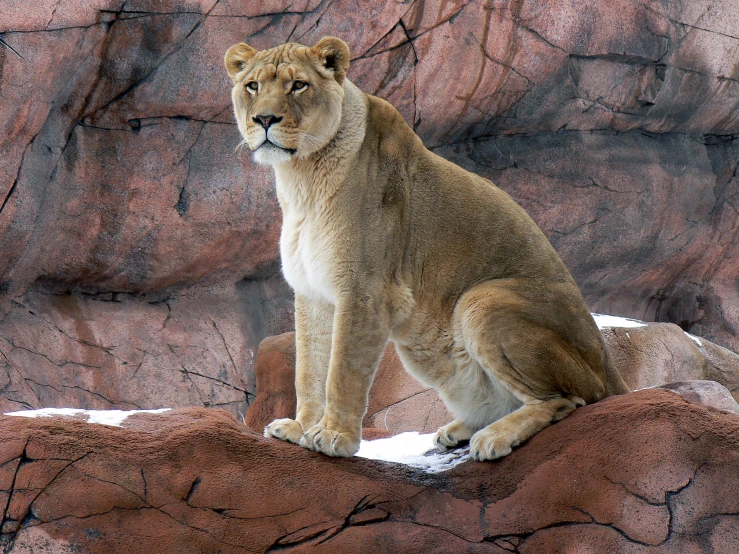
252 86
299 86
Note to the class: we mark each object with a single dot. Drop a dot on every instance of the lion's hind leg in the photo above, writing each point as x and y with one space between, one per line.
510 338
499 438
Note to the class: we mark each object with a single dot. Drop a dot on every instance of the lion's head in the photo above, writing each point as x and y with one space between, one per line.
288 99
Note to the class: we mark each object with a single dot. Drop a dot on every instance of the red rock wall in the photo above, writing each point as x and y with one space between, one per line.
612 122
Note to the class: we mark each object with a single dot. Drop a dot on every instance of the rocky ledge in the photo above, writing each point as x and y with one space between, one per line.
645 472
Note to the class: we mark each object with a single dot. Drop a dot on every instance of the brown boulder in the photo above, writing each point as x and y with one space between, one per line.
636 473
275 372
708 393
660 353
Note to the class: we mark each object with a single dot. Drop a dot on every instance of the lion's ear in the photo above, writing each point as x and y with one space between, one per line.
333 54
236 58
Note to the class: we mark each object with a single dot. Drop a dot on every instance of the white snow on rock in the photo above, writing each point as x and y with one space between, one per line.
104 417
605 321
696 340
415 450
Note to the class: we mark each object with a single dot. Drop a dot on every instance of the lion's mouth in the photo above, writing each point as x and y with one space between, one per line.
269 144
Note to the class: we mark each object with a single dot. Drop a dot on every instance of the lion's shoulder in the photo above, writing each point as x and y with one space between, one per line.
390 131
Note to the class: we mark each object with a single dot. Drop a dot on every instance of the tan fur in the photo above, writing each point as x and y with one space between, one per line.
383 239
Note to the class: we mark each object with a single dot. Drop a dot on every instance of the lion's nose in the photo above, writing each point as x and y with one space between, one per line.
266 120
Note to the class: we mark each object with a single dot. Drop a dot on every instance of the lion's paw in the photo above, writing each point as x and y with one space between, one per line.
452 435
330 442
284 429
488 444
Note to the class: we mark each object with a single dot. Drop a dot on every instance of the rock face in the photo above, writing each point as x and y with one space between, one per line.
637 473
660 353
613 122
121 351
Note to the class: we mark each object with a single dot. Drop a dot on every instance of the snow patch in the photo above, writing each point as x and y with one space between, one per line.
605 321
104 417
695 339
415 450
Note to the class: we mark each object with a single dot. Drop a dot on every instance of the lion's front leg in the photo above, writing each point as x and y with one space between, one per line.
360 335
313 326
285 429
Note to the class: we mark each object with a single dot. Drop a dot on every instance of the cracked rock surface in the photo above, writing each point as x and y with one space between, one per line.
613 122
646 472
123 352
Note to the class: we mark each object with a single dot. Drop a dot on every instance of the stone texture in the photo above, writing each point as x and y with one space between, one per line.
613 123
119 351
123 205
708 393
147 199
637 473
662 353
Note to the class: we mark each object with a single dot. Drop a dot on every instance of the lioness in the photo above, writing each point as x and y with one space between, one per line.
382 239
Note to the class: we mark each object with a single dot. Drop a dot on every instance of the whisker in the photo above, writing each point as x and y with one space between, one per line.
240 145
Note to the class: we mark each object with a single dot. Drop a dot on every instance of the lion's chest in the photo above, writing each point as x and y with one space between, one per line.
308 255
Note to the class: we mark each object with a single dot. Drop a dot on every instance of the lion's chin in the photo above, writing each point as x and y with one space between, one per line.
269 154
